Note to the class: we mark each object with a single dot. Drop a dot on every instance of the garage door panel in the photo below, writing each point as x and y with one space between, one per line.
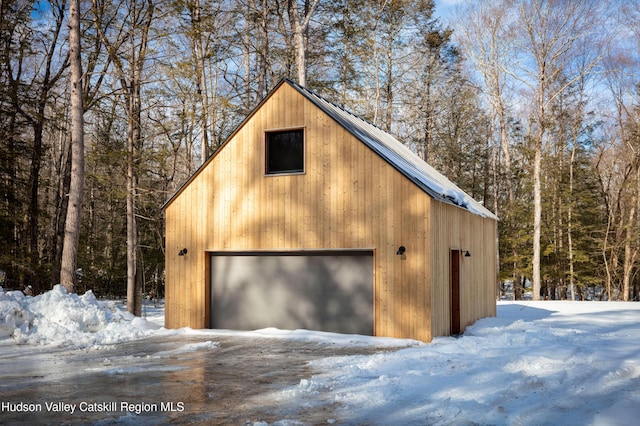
330 292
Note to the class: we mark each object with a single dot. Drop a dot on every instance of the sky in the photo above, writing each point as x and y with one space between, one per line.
445 8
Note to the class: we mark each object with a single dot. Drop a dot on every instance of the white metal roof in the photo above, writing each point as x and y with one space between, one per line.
399 156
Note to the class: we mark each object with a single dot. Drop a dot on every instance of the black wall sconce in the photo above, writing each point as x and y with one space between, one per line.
466 253
401 250
182 252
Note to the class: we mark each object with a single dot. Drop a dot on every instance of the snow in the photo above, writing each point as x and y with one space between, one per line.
536 363
67 320
574 363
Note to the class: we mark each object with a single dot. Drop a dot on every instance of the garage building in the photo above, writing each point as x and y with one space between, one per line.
310 217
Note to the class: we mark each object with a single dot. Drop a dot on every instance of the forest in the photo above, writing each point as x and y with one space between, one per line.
530 106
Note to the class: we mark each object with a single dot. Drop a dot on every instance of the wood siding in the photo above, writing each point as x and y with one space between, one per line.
348 198
456 229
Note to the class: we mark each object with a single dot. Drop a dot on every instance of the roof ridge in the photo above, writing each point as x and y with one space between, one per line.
312 93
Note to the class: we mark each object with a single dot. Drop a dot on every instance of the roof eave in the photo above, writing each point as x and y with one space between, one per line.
226 141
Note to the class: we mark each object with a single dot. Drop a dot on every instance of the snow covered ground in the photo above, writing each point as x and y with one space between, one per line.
537 363
570 363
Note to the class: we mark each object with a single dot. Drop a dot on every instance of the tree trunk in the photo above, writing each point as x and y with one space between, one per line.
537 212
572 294
201 76
298 43
73 223
389 91
34 186
630 252
263 62
134 298
134 291
132 87
246 60
62 203
299 30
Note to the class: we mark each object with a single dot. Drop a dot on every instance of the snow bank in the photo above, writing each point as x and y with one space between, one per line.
59 318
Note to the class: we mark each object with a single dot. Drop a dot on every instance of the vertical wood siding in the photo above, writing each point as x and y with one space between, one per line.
454 228
348 198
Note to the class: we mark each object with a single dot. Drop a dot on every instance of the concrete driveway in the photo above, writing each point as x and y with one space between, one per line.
199 379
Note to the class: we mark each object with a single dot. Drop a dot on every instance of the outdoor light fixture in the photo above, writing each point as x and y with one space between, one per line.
182 252
401 250
466 253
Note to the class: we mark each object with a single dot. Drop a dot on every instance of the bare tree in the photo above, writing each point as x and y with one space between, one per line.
73 222
128 52
13 59
551 29
632 243
488 43
625 208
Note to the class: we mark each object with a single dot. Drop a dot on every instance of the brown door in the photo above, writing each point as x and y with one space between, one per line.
455 292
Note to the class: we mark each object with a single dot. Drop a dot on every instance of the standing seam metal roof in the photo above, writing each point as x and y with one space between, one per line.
399 156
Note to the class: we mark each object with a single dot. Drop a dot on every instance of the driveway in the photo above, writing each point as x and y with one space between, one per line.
199 379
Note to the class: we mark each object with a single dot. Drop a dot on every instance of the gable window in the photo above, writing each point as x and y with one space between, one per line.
284 152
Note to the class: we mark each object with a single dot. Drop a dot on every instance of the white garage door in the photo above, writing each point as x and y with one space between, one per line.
328 291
